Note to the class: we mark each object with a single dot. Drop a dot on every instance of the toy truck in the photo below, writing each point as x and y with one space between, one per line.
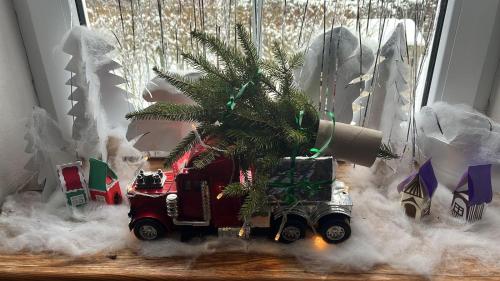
165 201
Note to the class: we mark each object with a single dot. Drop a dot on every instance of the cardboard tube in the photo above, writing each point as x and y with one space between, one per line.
349 143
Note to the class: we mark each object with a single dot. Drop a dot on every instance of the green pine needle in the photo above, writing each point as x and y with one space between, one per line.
168 111
385 152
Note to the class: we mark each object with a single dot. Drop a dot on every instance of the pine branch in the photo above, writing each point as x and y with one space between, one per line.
168 111
205 158
385 152
185 85
201 63
296 60
294 137
235 189
182 147
261 142
255 202
220 48
248 47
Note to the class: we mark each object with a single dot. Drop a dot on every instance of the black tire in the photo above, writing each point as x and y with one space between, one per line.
117 199
293 230
149 229
335 230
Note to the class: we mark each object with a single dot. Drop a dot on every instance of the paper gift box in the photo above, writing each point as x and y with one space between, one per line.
73 184
417 190
472 192
308 179
103 183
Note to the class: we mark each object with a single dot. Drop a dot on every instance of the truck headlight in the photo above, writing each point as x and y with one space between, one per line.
172 205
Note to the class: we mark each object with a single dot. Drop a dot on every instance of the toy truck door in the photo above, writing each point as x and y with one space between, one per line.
189 191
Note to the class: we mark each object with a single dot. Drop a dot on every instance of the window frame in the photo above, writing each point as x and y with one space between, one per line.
466 63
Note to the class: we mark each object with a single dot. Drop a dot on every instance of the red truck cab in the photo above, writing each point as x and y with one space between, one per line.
193 195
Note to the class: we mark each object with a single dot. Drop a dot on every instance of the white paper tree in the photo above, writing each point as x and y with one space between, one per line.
98 104
386 95
337 55
48 148
114 100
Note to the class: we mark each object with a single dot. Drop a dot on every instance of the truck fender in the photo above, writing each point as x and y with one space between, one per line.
334 216
327 211
296 215
166 223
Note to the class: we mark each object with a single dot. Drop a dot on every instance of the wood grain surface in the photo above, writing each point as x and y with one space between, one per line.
126 265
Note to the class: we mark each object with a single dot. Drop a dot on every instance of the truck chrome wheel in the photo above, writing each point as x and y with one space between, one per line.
148 232
335 232
149 229
290 233
335 229
293 230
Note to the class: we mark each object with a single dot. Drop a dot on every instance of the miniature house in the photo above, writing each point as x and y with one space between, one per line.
417 190
73 184
472 192
103 183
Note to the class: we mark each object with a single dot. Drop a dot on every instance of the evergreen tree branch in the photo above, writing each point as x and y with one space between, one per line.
248 48
186 86
234 189
185 145
169 111
385 152
201 63
205 158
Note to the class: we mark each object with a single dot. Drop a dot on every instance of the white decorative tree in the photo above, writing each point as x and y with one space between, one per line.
114 100
48 147
98 104
382 106
336 58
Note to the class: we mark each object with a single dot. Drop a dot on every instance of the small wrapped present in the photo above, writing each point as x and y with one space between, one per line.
308 179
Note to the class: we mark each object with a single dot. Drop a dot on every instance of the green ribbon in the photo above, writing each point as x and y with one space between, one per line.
311 186
317 152
232 99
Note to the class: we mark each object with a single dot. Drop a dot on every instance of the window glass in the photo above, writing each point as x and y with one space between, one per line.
156 32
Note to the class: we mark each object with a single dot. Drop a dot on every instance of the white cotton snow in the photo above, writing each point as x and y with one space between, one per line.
27 224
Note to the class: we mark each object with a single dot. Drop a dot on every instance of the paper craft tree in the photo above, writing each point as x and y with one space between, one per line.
97 103
48 147
385 109
417 190
83 107
73 184
341 65
473 191
114 100
103 183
